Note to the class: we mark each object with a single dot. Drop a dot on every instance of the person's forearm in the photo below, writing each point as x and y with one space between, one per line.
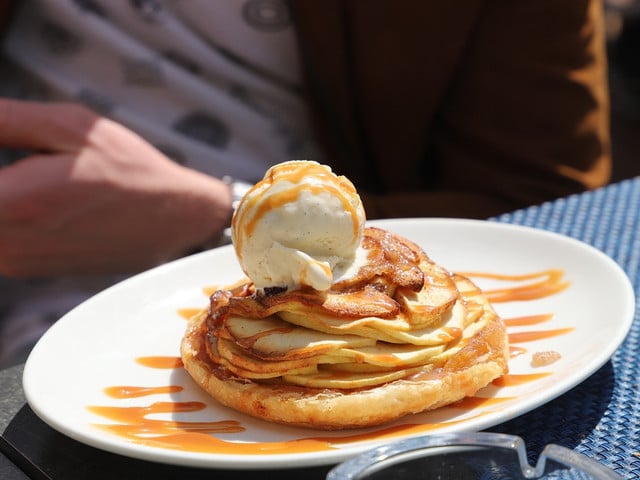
97 198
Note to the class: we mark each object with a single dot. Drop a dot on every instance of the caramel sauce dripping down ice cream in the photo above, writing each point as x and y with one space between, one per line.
300 226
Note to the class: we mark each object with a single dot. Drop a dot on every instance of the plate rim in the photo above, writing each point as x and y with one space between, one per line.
324 458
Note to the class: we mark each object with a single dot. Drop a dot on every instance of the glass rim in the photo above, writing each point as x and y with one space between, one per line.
354 467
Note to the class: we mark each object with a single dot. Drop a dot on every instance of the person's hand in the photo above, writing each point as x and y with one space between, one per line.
97 198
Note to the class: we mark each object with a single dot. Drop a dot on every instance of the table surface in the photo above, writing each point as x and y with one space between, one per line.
599 418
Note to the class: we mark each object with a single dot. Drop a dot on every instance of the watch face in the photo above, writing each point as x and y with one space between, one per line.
240 188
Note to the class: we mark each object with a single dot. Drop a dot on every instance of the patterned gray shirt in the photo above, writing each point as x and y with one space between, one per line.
214 84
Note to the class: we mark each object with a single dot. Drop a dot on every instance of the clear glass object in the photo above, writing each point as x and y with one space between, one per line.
468 456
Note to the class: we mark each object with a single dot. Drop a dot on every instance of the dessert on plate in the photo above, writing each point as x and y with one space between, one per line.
338 325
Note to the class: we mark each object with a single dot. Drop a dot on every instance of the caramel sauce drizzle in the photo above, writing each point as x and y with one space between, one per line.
250 341
291 194
520 337
529 336
515 351
528 320
125 391
187 313
210 290
161 362
133 423
449 334
511 380
469 403
551 282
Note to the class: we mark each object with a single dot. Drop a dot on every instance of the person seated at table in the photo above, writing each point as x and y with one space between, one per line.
430 109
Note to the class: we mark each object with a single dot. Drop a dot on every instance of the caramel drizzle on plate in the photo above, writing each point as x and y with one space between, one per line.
546 283
133 422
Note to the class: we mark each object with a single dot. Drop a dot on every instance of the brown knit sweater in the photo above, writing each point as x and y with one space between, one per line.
467 108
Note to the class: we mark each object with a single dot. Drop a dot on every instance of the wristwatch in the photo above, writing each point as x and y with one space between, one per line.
238 190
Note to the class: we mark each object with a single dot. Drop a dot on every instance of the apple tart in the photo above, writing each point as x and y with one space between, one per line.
400 336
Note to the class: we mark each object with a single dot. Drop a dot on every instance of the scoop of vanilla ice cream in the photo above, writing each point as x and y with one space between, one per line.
301 225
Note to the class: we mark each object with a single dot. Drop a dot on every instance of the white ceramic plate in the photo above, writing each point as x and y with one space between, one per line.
97 345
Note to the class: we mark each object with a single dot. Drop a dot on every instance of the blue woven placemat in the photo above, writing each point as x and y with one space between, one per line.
601 416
